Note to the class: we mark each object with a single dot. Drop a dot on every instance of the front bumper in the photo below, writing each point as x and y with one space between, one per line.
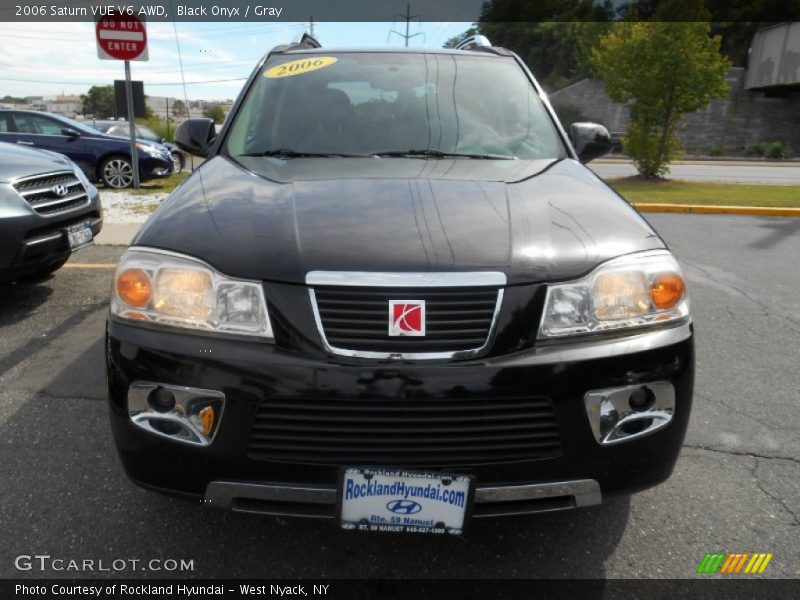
248 372
151 167
32 242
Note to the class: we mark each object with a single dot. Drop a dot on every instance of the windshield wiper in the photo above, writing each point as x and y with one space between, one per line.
441 154
289 153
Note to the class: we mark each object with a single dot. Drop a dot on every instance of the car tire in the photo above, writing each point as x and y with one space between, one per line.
117 172
178 162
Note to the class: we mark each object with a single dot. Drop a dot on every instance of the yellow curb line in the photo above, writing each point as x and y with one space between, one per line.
765 211
90 266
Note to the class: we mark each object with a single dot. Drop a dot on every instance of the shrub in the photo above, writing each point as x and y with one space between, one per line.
715 151
775 150
759 149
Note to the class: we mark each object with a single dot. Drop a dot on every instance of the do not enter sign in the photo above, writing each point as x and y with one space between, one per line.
121 37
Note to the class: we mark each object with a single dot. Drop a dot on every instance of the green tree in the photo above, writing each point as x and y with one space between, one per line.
178 108
457 39
547 34
662 70
214 111
99 101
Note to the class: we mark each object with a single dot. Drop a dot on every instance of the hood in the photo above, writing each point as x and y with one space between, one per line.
533 220
19 161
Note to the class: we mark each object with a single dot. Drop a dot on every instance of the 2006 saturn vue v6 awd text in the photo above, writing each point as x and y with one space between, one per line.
393 296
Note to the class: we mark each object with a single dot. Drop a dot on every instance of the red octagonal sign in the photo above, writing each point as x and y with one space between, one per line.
121 37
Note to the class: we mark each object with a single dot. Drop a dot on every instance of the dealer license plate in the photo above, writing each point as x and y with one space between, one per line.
398 500
79 235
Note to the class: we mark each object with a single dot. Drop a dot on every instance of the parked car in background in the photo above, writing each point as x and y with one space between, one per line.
101 157
122 129
616 141
48 209
394 296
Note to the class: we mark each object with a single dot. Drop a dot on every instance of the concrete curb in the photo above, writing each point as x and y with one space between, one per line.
716 162
117 234
763 211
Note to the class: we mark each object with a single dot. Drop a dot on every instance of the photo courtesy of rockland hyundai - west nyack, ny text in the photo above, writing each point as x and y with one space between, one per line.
456 299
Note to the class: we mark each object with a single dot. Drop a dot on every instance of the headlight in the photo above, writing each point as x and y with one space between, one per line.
637 290
148 149
81 176
171 289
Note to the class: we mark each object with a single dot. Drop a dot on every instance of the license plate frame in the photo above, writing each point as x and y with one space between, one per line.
79 235
430 508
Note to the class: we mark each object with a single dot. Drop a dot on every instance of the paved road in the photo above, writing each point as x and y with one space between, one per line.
709 171
736 486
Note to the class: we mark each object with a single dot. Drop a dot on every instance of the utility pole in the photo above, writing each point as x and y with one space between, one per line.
408 17
311 26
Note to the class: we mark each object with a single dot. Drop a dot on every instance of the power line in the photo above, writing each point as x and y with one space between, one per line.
104 83
408 17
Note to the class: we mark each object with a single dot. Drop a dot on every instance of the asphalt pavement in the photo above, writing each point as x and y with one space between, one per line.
736 487
731 172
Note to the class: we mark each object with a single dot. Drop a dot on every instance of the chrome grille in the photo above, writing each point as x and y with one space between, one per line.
40 192
438 431
352 311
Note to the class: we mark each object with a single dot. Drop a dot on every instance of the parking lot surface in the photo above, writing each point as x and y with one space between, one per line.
736 487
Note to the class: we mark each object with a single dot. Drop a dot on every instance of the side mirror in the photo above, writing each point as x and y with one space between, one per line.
195 136
69 132
590 140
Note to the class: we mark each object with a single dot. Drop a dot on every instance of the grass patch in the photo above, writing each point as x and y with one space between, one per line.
672 191
160 186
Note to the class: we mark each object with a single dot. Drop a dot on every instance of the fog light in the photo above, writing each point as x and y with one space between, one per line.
642 399
182 414
161 399
629 412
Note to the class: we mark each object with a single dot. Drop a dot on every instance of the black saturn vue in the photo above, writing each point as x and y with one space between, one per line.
393 296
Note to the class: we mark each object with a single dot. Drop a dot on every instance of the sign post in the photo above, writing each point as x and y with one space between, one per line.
124 37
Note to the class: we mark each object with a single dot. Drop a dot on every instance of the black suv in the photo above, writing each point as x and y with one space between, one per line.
392 295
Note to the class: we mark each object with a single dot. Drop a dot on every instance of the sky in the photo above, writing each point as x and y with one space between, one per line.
47 59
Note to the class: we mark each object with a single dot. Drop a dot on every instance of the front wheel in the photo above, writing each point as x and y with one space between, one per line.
177 162
117 172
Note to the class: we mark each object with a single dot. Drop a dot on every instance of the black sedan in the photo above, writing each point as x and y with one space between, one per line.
48 209
122 129
393 296
102 157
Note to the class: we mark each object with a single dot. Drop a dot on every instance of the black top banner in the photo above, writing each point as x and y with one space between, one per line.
371 10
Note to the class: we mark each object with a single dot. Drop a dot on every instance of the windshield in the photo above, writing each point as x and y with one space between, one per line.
392 103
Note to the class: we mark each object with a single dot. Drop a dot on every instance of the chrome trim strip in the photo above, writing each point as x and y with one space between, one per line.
222 494
13 182
48 188
413 279
585 491
61 200
404 355
47 238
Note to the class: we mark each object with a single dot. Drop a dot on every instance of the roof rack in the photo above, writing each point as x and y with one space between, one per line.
474 42
305 41
309 41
